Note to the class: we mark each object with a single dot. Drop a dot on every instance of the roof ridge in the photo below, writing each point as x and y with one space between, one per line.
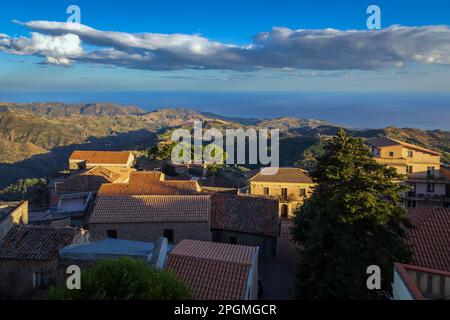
171 196
210 259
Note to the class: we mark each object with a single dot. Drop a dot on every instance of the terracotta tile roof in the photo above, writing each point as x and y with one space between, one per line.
284 175
412 283
35 243
92 179
102 157
430 239
142 177
213 271
147 209
254 215
389 142
445 172
150 183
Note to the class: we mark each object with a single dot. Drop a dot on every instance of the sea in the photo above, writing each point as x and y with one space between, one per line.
355 110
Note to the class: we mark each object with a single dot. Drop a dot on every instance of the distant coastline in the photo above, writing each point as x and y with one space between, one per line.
355 110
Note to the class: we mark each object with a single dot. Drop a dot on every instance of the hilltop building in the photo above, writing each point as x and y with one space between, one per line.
290 186
12 213
421 167
150 183
28 259
148 217
216 271
85 160
428 277
429 189
406 158
85 255
92 179
149 207
246 220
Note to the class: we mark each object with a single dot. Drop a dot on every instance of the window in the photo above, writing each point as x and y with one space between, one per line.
81 166
302 192
430 172
284 211
410 153
169 234
39 280
430 187
391 154
111 234
266 191
411 204
409 169
233 240
284 192
412 191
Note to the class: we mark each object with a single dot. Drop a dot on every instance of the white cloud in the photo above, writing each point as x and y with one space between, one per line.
281 48
55 49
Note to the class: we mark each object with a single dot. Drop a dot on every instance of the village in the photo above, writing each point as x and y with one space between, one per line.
224 243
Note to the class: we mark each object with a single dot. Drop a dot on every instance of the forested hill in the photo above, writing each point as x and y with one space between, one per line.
36 138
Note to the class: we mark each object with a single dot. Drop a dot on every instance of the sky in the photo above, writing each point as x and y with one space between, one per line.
311 46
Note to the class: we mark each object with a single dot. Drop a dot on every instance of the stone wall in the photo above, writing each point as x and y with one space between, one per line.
16 278
267 245
151 232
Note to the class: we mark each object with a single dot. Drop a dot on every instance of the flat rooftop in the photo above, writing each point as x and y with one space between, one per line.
108 248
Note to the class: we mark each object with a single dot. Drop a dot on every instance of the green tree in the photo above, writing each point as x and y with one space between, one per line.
124 279
352 221
308 160
24 189
152 152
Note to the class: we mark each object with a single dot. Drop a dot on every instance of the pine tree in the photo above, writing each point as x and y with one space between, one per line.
352 221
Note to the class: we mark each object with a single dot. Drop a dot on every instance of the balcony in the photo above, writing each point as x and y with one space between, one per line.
428 197
392 161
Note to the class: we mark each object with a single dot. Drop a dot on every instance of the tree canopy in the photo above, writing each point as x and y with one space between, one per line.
124 279
352 221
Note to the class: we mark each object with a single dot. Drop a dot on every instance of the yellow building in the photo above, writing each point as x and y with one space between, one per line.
291 186
406 158
12 213
85 160
428 180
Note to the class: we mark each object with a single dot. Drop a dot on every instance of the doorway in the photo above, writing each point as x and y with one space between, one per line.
284 211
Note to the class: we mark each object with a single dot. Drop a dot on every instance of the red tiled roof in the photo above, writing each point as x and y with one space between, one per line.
412 283
430 239
284 175
213 271
149 183
254 215
35 243
146 209
445 172
92 179
102 157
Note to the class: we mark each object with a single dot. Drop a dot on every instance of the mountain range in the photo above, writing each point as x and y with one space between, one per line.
37 138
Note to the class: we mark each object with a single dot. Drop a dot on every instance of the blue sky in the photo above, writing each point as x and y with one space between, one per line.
228 23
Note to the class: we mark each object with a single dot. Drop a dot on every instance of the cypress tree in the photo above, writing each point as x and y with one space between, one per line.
352 221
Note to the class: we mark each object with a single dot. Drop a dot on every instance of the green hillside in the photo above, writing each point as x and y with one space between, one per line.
36 139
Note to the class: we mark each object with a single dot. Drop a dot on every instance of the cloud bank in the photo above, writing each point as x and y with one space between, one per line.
62 43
